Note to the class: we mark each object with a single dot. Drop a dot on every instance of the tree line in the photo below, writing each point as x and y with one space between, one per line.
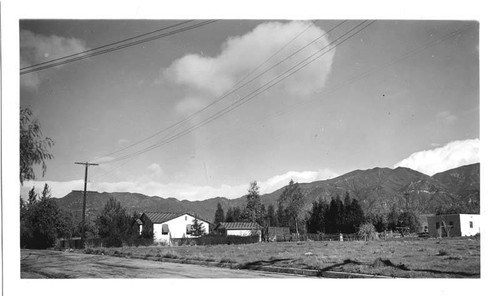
43 222
339 215
289 212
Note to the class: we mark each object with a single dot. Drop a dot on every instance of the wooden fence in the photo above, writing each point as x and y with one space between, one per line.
317 237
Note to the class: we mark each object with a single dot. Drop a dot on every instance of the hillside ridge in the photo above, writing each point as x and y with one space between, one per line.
377 189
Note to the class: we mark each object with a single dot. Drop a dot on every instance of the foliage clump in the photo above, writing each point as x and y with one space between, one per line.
42 221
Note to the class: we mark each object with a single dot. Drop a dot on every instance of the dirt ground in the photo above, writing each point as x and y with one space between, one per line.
40 264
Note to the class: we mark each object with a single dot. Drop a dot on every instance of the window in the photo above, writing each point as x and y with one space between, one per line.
471 224
450 224
437 225
164 229
185 218
189 229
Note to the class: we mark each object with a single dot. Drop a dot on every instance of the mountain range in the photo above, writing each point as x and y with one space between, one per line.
376 189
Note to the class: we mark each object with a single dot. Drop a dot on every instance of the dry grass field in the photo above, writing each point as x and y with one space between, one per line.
407 258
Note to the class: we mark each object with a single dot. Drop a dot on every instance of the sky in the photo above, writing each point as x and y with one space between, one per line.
398 93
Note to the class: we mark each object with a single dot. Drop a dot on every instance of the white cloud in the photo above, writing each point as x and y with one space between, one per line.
241 54
452 155
180 190
276 182
190 105
155 169
37 48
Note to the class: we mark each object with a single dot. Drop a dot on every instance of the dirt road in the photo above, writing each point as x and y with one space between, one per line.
56 264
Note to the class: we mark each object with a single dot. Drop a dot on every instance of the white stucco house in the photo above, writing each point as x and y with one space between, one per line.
454 225
240 229
167 226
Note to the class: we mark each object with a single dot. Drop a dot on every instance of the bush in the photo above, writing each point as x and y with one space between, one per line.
367 231
114 224
42 222
217 239
442 252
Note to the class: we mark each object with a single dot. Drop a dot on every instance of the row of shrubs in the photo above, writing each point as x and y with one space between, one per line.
216 239
76 243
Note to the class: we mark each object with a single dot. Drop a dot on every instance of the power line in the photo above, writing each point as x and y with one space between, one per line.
250 96
110 171
427 44
89 55
106 45
235 88
253 94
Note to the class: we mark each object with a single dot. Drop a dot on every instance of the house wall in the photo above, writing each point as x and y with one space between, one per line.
240 232
245 232
158 236
465 222
177 228
458 225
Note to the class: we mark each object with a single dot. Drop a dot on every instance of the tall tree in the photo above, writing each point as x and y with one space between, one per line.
392 218
312 222
46 192
237 214
198 228
341 214
323 208
233 214
113 223
282 216
318 217
32 196
254 209
271 216
34 148
292 200
219 214
331 217
377 220
229 215
354 216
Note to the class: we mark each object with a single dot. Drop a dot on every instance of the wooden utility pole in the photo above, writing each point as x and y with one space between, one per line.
86 164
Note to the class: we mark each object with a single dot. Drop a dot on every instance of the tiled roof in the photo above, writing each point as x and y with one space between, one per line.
160 217
238 225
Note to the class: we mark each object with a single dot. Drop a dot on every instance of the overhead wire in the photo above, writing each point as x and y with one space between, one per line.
126 45
429 43
107 45
234 89
432 42
253 94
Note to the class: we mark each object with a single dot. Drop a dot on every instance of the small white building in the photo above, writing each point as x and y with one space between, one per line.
454 225
240 229
167 226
